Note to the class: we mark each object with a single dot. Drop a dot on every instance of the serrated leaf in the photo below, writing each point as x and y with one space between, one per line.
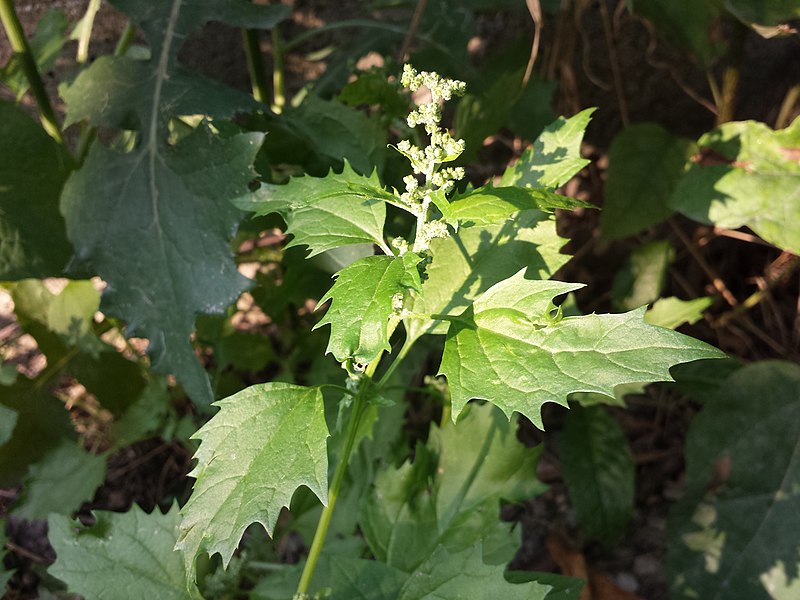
123 556
362 304
645 163
599 472
263 444
33 238
642 278
489 205
64 479
672 312
326 212
45 44
450 495
472 260
746 174
733 535
450 575
508 348
555 156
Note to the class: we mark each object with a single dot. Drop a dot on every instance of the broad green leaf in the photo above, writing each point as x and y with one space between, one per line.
374 87
642 278
263 444
687 23
64 479
42 423
45 44
672 312
757 184
362 305
764 12
33 239
8 420
144 416
489 205
733 535
508 348
244 351
448 575
325 212
555 156
472 260
645 163
599 472
450 495
123 556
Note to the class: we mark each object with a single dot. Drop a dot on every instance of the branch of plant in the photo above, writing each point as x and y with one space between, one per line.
278 89
87 24
255 64
535 8
19 45
413 27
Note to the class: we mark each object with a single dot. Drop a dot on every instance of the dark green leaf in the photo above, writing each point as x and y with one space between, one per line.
645 164
8 420
362 305
144 416
508 348
599 472
643 276
263 444
64 479
733 535
127 556
33 239
764 12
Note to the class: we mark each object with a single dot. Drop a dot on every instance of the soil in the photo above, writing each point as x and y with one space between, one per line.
659 85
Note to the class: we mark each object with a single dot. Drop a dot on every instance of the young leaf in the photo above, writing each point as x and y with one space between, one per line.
599 472
555 156
64 479
362 304
489 205
508 348
672 312
263 444
326 212
746 174
33 238
124 556
733 535
645 163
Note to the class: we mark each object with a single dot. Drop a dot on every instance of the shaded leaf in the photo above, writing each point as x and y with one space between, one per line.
510 349
123 556
733 534
362 305
8 420
33 239
764 12
144 416
642 278
645 164
263 444
599 472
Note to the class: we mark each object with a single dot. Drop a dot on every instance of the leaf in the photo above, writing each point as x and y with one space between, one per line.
489 205
45 45
326 212
645 164
374 87
33 239
509 349
599 472
764 12
643 276
144 416
672 312
8 420
123 556
733 534
450 495
263 444
64 479
746 174
555 156
472 260
450 575
362 305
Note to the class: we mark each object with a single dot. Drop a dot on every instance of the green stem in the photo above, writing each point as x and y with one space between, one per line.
124 41
86 31
20 46
278 91
255 64
407 344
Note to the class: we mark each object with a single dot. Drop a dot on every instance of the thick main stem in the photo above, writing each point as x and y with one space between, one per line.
19 44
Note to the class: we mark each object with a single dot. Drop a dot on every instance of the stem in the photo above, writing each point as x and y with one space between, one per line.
416 19
278 91
255 64
124 41
787 106
407 344
86 31
730 76
19 44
